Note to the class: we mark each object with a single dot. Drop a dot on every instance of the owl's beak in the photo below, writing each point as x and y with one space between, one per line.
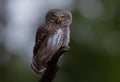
58 20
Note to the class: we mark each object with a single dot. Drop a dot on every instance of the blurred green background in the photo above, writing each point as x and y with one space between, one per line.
95 40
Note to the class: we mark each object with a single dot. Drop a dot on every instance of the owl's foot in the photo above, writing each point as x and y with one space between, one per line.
65 48
68 47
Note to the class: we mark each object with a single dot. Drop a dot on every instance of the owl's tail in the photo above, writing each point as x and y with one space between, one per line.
38 68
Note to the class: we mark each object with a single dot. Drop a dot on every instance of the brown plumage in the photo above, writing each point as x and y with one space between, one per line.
50 36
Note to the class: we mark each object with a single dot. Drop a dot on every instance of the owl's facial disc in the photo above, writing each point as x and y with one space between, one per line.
58 19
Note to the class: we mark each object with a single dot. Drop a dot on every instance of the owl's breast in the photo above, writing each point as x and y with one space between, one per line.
55 40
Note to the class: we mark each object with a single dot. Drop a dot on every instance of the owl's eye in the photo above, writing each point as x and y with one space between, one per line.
62 17
54 17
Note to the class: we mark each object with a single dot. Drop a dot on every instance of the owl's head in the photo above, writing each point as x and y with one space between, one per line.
59 16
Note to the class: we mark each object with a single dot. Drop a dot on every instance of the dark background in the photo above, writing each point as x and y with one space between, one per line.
95 40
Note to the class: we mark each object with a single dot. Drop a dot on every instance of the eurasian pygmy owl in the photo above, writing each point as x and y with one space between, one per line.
51 36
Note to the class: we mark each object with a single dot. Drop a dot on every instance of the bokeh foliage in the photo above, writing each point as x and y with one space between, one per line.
94 54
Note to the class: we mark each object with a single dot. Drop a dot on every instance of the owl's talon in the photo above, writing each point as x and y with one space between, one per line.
68 47
65 48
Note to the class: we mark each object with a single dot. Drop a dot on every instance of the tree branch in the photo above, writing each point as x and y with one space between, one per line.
52 68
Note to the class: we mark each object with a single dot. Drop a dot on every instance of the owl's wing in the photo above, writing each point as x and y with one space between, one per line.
42 36
41 39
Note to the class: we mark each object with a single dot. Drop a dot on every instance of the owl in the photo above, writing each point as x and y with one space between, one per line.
50 37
